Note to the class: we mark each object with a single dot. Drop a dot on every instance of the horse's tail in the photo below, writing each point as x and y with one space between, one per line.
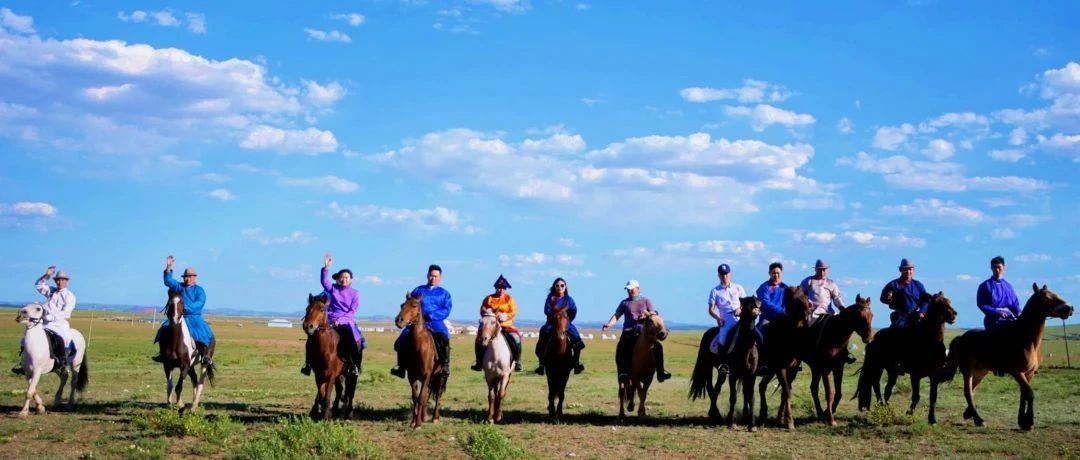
82 380
869 374
209 370
703 368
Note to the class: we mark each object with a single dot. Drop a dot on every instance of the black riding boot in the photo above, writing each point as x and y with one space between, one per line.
479 350
515 349
18 367
348 349
442 351
623 354
575 356
658 355
59 351
541 348
157 338
399 370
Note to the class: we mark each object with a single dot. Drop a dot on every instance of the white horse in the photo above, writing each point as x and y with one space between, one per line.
37 361
498 364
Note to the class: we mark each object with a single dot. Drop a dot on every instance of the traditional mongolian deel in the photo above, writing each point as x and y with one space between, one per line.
58 307
772 300
194 300
436 305
566 302
908 295
995 298
344 303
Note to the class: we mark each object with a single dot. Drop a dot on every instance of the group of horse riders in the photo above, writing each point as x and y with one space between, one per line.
995 297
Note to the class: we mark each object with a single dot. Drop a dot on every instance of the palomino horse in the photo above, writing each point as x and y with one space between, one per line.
826 343
498 363
425 376
37 361
558 360
918 350
178 352
322 355
642 364
1013 348
783 337
742 362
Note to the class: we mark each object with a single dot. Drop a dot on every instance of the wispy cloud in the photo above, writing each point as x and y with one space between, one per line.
328 36
353 19
751 91
258 235
331 184
222 194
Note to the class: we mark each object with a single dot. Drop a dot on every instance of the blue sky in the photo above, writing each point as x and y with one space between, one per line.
599 141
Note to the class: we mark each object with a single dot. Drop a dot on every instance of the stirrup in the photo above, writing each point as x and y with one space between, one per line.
158 358
517 366
662 375
539 370
723 368
18 370
306 370
477 366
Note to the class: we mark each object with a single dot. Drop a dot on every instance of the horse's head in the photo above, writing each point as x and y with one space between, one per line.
411 311
1047 304
796 304
560 318
653 326
940 308
174 308
861 316
488 329
315 315
750 309
30 315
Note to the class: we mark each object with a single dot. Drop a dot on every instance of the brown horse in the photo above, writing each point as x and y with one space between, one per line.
425 376
322 355
826 343
743 363
642 364
918 350
558 360
1013 348
178 351
781 352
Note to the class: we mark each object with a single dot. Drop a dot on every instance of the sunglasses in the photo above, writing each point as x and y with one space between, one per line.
560 285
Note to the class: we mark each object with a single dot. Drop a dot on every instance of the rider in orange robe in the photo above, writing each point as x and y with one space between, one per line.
504 306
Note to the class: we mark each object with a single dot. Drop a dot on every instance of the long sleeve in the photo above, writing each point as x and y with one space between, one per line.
64 312
42 286
923 303
837 301
885 294
195 301
441 308
985 300
1014 305
324 277
511 310
354 306
571 308
171 282
485 305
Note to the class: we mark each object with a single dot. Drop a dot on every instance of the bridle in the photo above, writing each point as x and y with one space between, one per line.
32 322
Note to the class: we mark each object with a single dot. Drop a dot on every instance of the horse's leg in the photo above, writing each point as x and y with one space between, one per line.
504 387
785 399
59 397
491 404
622 399
551 382
1025 416
748 402
425 394
890 382
763 386
168 386
930 417
350 393
564 377
31 391
314 413
732 395
914 393
815 381
643 393
325 391
829 394
714 393
838 385
971 380
440 387
74 378
37 395
631 389
415 387
196 386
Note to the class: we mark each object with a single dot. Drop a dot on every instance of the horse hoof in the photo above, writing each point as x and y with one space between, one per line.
41 410
979 422
24 414
751 428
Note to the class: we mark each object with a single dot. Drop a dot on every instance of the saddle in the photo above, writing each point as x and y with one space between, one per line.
57 350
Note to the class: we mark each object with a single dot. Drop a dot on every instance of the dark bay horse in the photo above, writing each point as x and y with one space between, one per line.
784 339
642 365
424 374
1013 348
825 345
742 363
558 360
178 351
322 354
918 350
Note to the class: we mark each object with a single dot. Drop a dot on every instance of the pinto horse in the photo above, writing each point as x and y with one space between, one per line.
37 361
178 351
918 350
321 353
1013 348
781 352
425 376
642 364
743 365
826 343
498 363
558 360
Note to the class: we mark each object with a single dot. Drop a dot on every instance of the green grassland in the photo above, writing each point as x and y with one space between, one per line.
256 409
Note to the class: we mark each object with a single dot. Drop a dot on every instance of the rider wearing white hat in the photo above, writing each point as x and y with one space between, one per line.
59 304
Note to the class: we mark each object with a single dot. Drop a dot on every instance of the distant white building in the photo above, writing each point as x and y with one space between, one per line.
278 322
471 330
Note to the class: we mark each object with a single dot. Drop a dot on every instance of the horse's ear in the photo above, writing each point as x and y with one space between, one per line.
1044 287
310 298
858 298
1035 287
408 295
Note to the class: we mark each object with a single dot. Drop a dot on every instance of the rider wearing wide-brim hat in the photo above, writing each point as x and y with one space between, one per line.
194 298
906 296
502 304
824 296
59 303
633 309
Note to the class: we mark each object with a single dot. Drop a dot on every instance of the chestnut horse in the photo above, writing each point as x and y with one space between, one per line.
825 344
558 360
783 338
642 364
323 343
425 376
918 350
498 363
1013 348
178 351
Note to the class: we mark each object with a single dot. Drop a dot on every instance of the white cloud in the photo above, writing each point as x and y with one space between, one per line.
955 120
323 95
258 235
325 36
845 126
582 6
104 93
506 6
763 115
166 18
752 91
310 141
557 143
964 277
1008 155
939 149
331 184
539 258
1002 233
1032 258
1018 136
567 242
196 23
15 23
246 168
945 212
214 177
457 29
302 274
999 202
902 172
222 194
34 215
592 101
354 19
892 137
174 161
372 280
1062 142
816 237
860 238
29 208
437 218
